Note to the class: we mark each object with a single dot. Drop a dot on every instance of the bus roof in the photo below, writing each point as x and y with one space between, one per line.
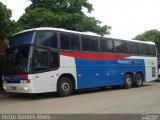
76 32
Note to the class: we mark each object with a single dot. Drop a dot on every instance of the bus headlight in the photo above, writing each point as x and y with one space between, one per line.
4 87
25 88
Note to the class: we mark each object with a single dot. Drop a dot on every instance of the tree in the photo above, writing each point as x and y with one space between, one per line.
59 6
7 27
5 21
66 14
151 35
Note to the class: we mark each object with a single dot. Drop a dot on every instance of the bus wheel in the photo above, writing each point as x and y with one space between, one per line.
138 80
128 81
64 87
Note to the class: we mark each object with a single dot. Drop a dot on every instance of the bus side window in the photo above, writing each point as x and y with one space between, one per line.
54 60
124 47
118 46
103 46
85 43
152 50
41 60
74 42
45 60
64 41
110 46
143 49
47 38
133 48
94 44
106 45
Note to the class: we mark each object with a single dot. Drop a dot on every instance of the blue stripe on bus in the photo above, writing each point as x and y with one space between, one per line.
17 78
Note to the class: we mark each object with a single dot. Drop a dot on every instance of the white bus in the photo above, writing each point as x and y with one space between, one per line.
56 60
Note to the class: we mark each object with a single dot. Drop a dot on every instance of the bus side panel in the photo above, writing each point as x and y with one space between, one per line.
151 69
91 73
98 73
118 69
137 65
47 81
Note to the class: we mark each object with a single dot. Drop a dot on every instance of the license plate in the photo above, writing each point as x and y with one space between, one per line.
14 88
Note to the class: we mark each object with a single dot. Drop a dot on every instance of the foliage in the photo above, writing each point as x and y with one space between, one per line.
6 25
66 14
151 35
59 6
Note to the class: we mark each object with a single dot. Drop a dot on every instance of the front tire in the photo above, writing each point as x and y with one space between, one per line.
64 87
128 81
138 80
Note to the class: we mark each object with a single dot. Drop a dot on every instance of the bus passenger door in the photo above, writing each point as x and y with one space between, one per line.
45 62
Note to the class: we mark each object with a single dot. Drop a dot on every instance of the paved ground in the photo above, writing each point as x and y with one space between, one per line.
136 100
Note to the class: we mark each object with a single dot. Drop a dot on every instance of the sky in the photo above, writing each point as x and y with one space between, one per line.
128 18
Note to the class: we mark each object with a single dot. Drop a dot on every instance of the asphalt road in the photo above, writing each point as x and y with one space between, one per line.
136 100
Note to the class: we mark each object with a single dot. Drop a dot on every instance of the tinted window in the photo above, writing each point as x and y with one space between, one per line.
64 40
45 60
41 60
85 43
120 46
133 48
94 44
47 38
103 45
106 45
17 61
54 60
143 49
152 50
110 46
124 47
21 39
74 42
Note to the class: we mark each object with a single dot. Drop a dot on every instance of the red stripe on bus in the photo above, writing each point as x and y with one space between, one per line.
94 56
22 76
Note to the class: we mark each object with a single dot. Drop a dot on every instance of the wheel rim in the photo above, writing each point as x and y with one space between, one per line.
139 81
129 80
65 87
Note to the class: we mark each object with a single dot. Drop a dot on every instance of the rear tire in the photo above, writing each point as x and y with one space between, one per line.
128 81
64 87
138 80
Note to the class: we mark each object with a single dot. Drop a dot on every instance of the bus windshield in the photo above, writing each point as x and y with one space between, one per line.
21 39
17 60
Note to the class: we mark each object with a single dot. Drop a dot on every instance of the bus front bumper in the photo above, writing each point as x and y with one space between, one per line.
19 88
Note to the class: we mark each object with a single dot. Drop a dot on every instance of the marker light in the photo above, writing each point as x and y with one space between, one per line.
25 81
28 81
22 81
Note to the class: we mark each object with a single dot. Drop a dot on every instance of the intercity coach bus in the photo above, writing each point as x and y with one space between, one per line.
57 60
